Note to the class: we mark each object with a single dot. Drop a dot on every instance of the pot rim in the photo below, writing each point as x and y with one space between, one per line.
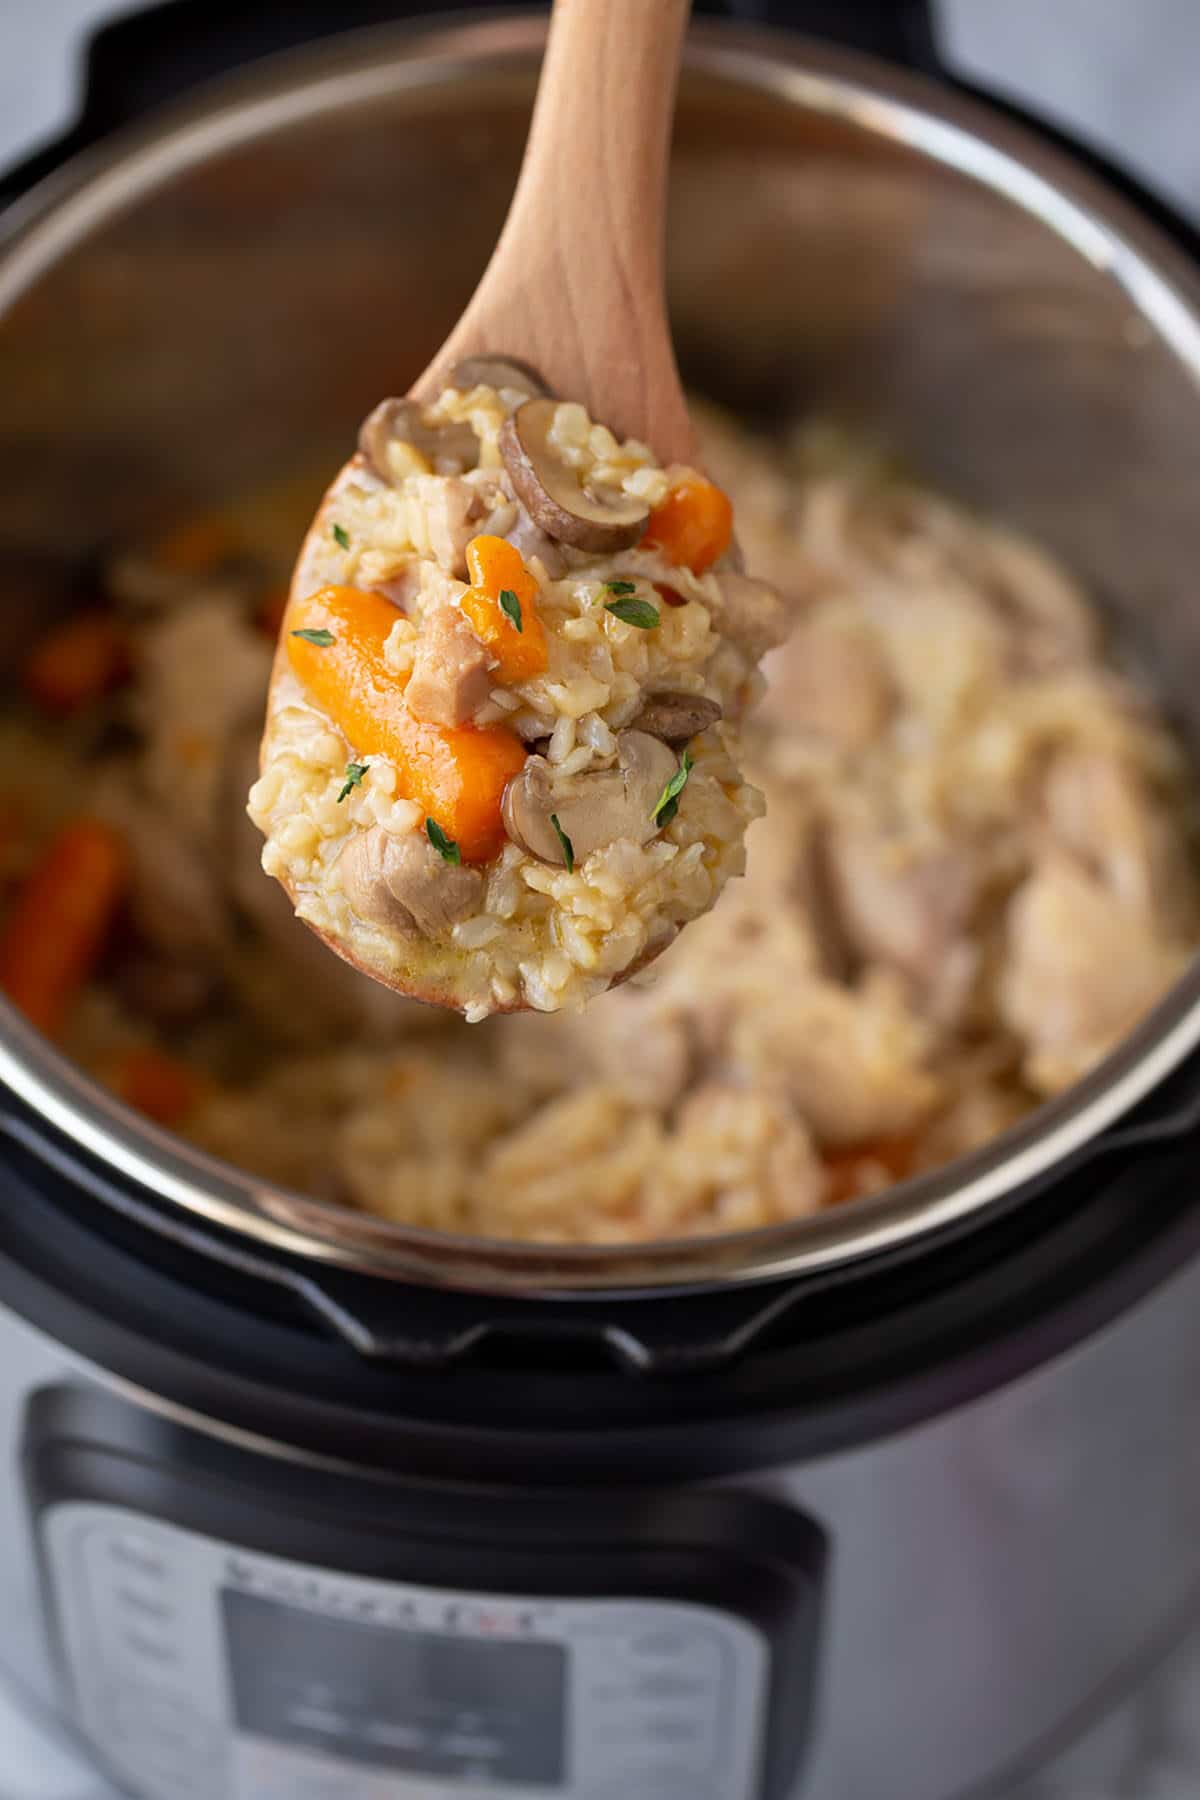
913 113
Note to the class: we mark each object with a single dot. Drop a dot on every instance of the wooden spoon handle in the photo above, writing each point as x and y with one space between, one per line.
576 283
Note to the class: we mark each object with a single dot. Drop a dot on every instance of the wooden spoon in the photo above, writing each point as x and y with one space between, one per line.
576 283
575 286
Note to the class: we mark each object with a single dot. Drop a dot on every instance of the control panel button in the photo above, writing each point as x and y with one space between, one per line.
162 1725
673 1687
129 1550
653 1784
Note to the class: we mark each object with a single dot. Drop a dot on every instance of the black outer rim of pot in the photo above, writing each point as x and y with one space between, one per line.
220 1338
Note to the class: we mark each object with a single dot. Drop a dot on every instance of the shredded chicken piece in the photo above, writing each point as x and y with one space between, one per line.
450 507
852 1062
403 883
1082 968
898 904
450 678
1053 624
749 613
1100 810
831 680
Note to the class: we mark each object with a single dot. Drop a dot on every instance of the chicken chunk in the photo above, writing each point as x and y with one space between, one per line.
202 673
897 905
639 1044
850 1061
402 883
1052 621
750 613
450 678
830 680
449 508
1097 808
1081 969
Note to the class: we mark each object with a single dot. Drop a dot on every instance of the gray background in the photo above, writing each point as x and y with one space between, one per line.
1126 75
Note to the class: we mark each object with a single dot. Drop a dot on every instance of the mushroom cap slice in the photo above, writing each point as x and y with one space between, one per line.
552 494
449 448
593 809
676 718
497 372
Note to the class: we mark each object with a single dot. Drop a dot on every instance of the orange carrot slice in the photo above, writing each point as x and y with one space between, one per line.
457 775
59 921
196 546
156 1084
77 663
502 593
847 1169
692 526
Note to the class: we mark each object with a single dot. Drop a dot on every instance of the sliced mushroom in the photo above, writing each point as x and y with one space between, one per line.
552 493
402 883
449 448
497 372
593 809
675 718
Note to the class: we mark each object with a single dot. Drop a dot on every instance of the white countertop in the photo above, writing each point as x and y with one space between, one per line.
1124 73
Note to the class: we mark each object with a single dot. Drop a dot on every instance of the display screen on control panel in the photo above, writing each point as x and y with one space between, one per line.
426 1703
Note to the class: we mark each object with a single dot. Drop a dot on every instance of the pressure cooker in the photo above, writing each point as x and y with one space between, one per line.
877 1505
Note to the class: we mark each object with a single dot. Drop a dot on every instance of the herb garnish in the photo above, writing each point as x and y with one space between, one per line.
512 606
668 800
446 847
634 612
341 536
568 848
354 775
320 637
621 587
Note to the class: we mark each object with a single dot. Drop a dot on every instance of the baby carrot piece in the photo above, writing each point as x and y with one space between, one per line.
456 774
196 547
692 526
846 1169
501 606
154 1083
60 920
77 663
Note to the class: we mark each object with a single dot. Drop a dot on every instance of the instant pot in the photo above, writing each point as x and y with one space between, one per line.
881 1505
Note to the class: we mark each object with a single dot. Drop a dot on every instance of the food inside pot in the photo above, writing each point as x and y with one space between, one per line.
975 872
501 766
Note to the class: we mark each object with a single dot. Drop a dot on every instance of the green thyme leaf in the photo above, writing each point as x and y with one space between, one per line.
446 847
634 612
320 637
354 775
668 800
621 587
512 606
341 536
568 848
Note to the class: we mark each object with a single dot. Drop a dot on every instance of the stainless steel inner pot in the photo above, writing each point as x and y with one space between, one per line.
221 298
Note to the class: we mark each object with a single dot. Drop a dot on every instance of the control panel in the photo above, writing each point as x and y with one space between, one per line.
203 1671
